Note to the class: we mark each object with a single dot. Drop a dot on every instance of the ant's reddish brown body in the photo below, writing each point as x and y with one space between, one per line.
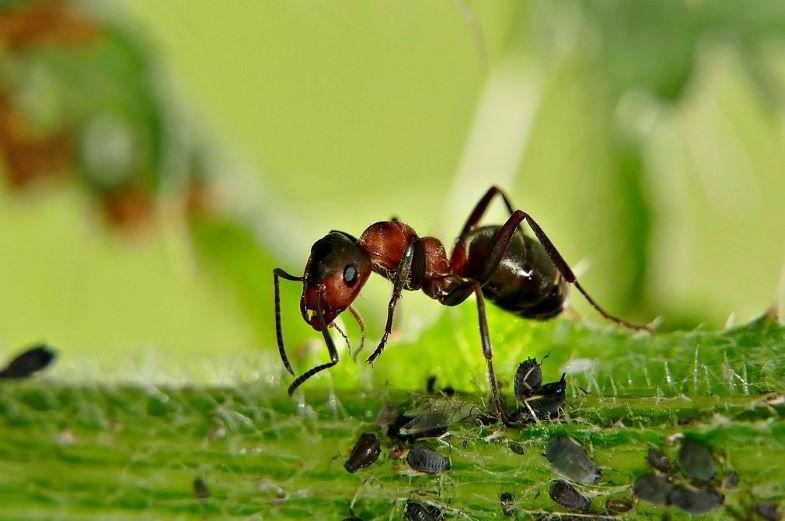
500 263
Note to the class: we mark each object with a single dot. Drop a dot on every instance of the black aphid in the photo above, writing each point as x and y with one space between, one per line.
353 518
652 488
696 460
200 489
730 480
508 504
768 510
425 460
427 425
528 378
548 399
618 505
517 448
659 461
364 453
568 496
417 512
394 428
30 361
571 460
695 500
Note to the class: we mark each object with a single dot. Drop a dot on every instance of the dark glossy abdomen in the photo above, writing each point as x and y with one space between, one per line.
526 282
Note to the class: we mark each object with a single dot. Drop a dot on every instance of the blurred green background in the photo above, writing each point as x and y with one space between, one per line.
160 158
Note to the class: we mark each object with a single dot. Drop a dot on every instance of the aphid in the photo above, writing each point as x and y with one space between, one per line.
30 361
364 453
571 460
652 488
618 505
696 460
425 460
548 399
508 503
730 480
568 496
659 461
768 510
417 512
517 448
522 275
528 378
200 489
695 500
427 425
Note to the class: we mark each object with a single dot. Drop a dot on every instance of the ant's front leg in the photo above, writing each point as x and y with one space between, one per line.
410 269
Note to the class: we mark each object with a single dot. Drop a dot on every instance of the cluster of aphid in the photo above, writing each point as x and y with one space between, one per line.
694 485
405 431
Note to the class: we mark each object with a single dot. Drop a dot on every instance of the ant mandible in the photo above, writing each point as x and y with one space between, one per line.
514 271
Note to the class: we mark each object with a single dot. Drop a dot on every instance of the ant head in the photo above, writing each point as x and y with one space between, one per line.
336 271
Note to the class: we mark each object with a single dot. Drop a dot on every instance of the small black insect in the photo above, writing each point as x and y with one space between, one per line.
517 448
659 461
425 460
568 496
30 361
696 460
768 510
200 489
731 479
528 378
618 505
364 453
571 460
508 504
695 500
426 425
547 400
652 488
417 512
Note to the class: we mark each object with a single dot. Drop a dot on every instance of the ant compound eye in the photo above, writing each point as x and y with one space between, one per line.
350 275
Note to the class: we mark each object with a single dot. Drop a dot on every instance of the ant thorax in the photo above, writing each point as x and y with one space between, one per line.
386 244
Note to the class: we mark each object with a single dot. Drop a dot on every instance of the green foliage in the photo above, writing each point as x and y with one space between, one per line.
88 452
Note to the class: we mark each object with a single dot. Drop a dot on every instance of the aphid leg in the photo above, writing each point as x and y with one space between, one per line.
330 348
361 324
402 276
279 273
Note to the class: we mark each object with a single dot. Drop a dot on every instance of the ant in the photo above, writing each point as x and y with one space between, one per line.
524 276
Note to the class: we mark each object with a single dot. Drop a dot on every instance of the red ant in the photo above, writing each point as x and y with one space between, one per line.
516 272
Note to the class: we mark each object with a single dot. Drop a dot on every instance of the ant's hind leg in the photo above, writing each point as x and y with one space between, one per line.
502 239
